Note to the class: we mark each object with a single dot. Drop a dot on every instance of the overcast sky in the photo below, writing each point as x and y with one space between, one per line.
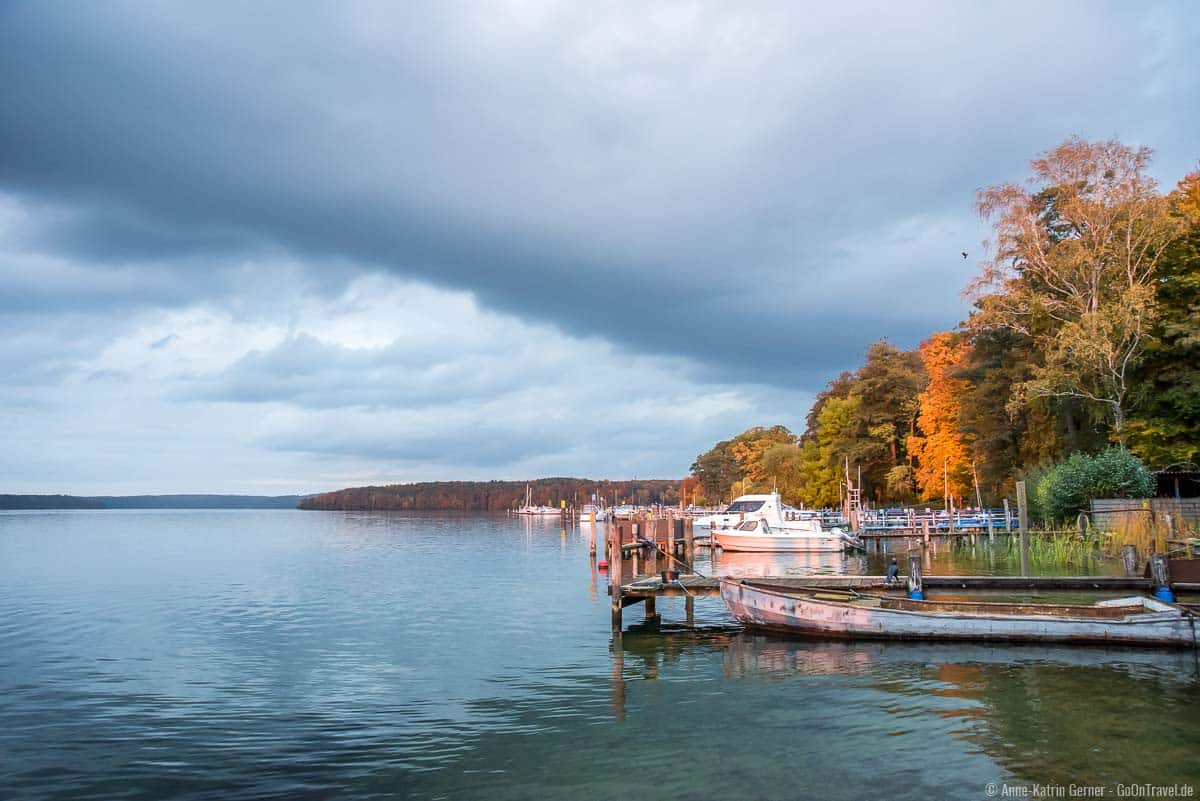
273 248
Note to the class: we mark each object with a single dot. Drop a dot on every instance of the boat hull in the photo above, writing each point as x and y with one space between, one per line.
777 543
1160 625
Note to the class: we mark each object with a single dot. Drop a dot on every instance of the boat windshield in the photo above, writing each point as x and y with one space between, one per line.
749 525
744 506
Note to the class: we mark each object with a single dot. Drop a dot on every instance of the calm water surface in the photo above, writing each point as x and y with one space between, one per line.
271 654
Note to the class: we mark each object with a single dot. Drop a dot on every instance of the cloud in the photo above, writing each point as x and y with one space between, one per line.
678 181
388 381
328 244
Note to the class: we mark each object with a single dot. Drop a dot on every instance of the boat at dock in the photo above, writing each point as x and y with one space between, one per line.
848 614
767 507
534 510
592 513
798 536
764 524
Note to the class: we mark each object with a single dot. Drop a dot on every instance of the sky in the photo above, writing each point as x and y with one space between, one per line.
286 247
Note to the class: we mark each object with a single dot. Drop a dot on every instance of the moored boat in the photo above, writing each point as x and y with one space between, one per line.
846 614
758 536
535 510
592 513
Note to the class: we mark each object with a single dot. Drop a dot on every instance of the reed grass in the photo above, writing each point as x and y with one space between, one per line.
1060 547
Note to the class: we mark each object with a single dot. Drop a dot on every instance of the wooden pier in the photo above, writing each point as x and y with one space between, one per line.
653 557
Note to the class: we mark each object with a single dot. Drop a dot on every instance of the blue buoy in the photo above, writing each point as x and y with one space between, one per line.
917 595
1164 594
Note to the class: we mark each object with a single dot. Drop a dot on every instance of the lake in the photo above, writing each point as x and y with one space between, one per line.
314 655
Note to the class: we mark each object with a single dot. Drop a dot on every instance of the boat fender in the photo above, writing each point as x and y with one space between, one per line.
916 595
603 565
1164 594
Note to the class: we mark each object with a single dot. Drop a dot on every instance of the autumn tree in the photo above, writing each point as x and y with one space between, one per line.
1165 427
941 451
748 449
1073 266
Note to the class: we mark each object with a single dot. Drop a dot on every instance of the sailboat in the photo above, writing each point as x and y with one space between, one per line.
529 508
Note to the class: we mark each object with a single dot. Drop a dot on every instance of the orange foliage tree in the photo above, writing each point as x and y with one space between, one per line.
941 449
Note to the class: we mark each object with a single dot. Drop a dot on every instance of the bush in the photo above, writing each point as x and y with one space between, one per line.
1067 488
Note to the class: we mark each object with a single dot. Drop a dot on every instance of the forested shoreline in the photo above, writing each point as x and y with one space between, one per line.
1084 334
493 496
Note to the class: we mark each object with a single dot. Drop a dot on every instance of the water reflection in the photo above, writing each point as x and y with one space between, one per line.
1047 715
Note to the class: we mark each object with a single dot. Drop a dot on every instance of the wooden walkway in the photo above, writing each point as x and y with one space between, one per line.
706 585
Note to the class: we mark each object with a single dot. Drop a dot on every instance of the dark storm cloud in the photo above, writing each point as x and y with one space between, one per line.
769 191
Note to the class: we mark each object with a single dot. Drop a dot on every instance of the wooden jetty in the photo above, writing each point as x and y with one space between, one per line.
652 557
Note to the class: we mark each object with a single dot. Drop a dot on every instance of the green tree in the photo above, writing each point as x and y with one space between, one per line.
1074 266
1164 428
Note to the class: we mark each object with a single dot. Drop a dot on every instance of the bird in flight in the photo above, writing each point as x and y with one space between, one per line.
964 254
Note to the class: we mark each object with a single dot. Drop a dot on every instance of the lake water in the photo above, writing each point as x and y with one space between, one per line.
313 655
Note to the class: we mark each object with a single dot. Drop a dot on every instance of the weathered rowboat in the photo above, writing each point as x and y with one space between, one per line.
846 614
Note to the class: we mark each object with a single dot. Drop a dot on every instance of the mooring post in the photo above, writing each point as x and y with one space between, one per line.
614 586
915 592
1023 524
1007 517
689 610
925 532
652 536
651 612
1161 573
1130 559
689 542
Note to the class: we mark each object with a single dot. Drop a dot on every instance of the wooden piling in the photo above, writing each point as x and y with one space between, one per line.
689 541
1160 571
1007 517
1023 524
914 576
1130 559
925 532
614 585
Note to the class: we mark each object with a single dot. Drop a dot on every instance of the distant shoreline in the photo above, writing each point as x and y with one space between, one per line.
429 496
182 501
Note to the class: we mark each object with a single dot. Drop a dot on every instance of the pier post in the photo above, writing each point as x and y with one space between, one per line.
652 535
1023 524
689 541
1007 517
635 531
1130 559
1161 573
915 591
614 586
651 611
925 532
689 610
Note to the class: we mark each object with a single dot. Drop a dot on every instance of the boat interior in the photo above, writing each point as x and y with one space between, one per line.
1104 610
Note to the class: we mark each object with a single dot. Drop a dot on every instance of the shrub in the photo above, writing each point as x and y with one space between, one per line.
1066 488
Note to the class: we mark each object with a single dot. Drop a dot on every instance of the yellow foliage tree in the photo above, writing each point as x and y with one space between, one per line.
941 451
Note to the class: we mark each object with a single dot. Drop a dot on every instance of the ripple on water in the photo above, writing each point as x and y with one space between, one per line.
292 655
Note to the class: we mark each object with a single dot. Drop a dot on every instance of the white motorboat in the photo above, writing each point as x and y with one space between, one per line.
800 536
592 513
764 524
767 507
